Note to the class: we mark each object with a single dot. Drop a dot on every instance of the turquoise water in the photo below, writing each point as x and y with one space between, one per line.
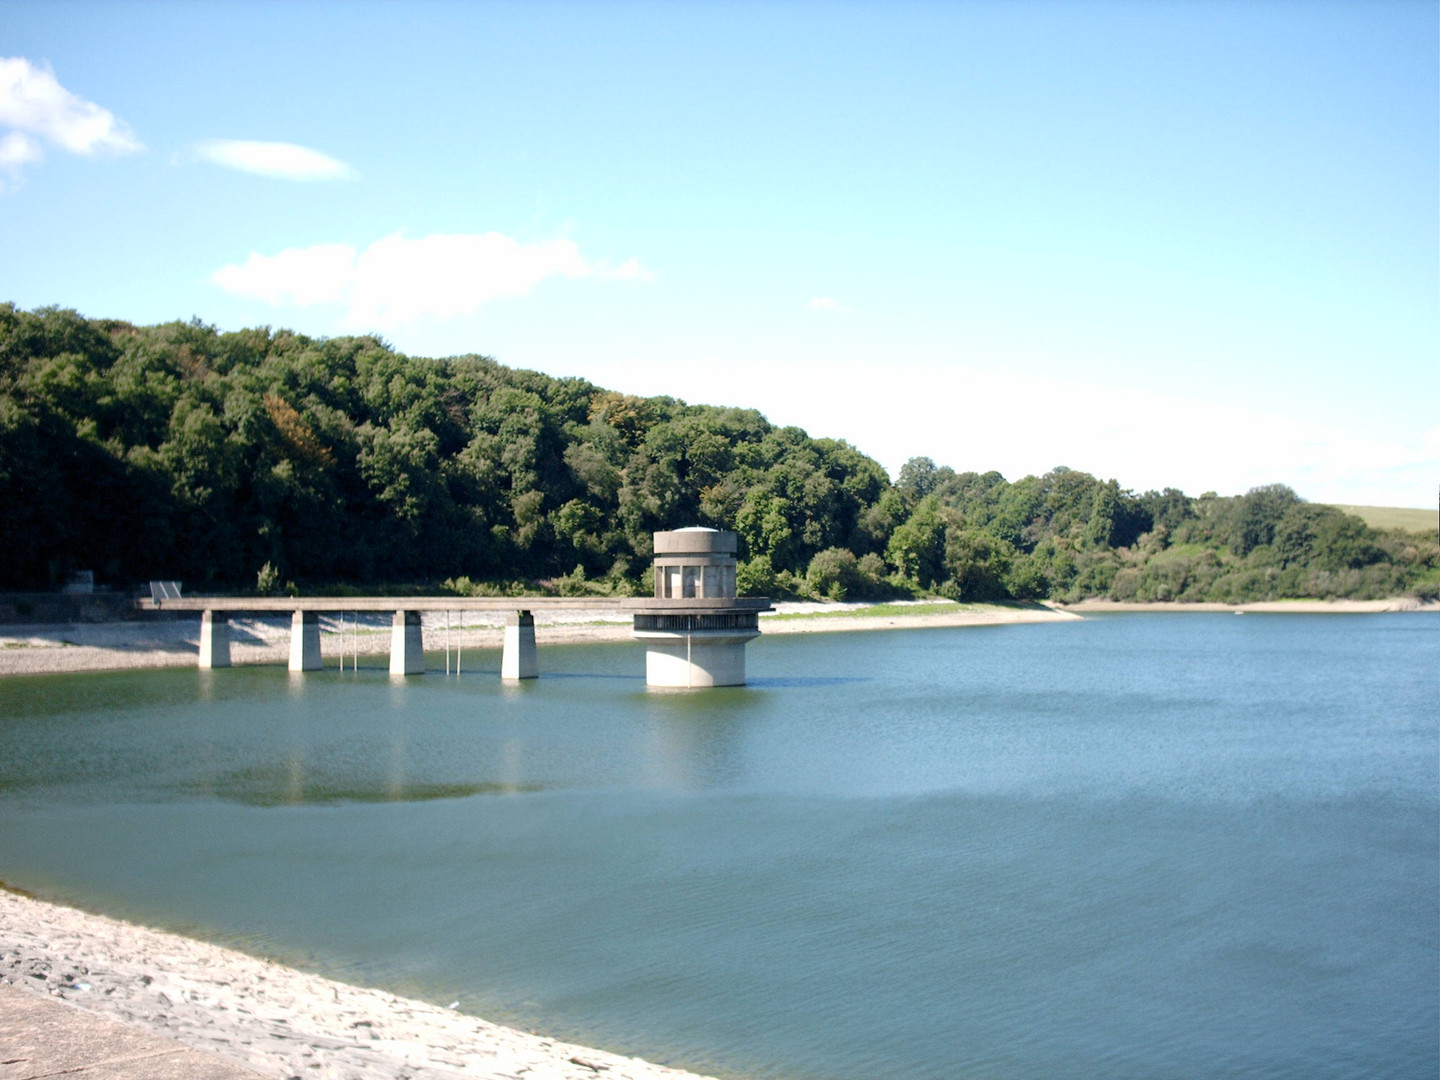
1139 846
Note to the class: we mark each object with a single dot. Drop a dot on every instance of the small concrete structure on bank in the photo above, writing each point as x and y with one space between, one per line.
694 628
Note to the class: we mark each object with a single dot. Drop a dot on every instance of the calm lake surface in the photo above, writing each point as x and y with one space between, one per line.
1144 846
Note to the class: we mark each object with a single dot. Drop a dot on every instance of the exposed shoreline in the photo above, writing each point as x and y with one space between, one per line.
276 1020
140 644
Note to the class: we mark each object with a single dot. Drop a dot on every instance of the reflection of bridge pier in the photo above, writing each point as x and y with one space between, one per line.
695 629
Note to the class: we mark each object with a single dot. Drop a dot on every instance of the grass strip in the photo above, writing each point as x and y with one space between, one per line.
943 607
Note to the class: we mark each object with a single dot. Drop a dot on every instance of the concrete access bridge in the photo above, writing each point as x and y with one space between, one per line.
695 628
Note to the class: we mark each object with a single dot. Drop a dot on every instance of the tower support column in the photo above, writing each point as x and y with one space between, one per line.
695 660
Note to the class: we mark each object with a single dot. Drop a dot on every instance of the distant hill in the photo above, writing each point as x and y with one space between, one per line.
259 457
1393 517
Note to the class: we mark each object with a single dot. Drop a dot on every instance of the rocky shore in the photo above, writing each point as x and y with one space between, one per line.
275 1020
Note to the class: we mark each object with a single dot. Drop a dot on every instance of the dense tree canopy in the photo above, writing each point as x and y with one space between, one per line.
178 451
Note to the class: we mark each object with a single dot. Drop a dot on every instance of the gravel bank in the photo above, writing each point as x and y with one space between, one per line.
273 1019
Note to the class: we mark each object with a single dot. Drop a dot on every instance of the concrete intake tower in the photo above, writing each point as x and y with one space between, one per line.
695 628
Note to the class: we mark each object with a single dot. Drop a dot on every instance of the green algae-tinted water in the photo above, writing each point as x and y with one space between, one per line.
1139 846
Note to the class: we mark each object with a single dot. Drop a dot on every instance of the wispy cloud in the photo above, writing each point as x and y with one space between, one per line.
397 280
18 150
629 270
825 303
281 160
38 110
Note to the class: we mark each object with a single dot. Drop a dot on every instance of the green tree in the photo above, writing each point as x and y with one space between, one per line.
917 547
1256 517
979 564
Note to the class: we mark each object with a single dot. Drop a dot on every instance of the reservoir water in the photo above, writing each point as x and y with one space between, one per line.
1138 846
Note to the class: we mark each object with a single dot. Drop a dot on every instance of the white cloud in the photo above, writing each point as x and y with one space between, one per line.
16 151
629 270
826 303
322 274
972 417
39 110
397 280
284 161
1143 438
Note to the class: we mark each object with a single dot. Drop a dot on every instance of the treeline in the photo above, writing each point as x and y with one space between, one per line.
258 458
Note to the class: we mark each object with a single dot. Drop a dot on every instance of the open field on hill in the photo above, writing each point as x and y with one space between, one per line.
1394 517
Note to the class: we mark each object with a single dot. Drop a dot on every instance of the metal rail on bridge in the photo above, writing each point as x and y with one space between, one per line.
407 651
695 628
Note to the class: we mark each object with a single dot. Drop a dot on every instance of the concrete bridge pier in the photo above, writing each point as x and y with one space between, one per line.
305 641
518 659
407 644
214 639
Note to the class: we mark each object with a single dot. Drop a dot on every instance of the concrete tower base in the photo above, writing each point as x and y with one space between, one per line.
697 659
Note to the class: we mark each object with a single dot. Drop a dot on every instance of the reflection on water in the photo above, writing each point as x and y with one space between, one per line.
1133 847
294 785
792 681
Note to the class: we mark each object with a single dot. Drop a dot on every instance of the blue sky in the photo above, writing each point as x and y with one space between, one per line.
1187 244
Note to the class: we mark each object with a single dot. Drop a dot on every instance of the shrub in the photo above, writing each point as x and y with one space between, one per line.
834 574
267 580
755 577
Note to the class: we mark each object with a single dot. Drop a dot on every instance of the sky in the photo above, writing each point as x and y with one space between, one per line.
1184 244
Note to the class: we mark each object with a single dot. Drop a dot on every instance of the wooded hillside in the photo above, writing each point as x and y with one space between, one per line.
259 457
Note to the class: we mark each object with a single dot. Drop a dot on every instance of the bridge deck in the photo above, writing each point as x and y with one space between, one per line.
379 603
444 603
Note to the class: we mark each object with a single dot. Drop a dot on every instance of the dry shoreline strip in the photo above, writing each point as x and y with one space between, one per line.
52 649
273 1019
